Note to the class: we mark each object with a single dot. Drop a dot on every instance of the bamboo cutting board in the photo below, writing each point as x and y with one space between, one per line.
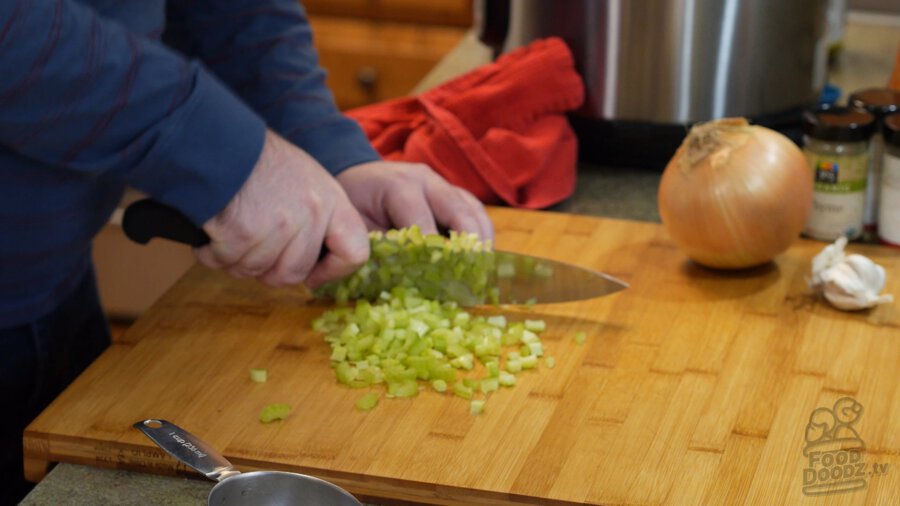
693 387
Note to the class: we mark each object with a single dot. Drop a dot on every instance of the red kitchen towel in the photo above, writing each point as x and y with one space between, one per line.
499 131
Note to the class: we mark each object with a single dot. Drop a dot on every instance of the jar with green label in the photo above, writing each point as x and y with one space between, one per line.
835 143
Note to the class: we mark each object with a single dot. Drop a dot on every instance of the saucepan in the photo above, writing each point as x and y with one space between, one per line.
257 488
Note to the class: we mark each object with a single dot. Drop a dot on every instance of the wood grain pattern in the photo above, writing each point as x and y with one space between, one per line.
694 387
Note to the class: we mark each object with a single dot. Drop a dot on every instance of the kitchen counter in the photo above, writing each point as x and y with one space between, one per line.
866 60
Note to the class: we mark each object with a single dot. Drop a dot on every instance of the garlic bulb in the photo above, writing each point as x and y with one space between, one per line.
849 282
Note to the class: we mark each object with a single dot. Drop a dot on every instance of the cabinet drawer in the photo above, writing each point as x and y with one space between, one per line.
371 61
440 12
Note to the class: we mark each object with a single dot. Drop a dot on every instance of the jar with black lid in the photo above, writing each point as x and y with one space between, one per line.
879 102
889 206
836 145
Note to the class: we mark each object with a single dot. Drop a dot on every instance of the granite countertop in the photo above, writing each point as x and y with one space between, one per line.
866 60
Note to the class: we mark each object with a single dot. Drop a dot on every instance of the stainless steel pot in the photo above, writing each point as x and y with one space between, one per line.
677 61
258 488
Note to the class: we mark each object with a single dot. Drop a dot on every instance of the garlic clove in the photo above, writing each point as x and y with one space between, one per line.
871 274
832 255
855 283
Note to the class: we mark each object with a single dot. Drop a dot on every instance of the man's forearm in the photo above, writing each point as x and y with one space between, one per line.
82 93
264 50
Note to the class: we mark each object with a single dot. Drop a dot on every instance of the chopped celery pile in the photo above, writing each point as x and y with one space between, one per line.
459 268
272 412
405 341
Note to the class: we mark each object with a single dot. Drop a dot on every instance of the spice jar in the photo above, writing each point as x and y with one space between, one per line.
889 206
879 102
835 143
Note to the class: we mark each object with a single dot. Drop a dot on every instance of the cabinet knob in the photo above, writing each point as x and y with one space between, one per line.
367 78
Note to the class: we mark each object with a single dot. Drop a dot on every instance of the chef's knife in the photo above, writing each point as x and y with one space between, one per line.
520 278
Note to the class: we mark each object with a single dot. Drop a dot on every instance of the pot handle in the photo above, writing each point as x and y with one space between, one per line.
492 19
187 448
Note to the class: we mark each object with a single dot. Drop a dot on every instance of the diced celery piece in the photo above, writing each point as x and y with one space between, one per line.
455 349
476 407
345 373
489 385
462 391
444 372
580 337
367 402
470 382
493 368
535 325
350 330
339 353
506 379
258 375
497 321
537 349
439 385
404 388
466 362
529 337
276 411
506 270
514 366
487 349
371 376
550 362
529 362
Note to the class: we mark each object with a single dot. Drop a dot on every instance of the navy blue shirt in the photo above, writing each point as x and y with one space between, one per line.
92 100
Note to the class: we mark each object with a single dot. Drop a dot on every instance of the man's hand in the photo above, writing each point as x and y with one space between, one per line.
275 226
400 194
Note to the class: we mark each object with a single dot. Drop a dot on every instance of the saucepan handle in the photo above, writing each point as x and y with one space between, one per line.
187 448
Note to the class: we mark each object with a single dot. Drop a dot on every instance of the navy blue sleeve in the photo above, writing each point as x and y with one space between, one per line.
85 94
264 50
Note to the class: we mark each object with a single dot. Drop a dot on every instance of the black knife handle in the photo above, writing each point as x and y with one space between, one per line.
146 219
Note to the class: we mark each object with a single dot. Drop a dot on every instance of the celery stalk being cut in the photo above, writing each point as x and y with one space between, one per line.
458 268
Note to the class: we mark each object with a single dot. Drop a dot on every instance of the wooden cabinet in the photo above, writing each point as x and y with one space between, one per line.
375 50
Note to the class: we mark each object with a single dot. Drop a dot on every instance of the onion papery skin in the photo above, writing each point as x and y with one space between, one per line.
735 195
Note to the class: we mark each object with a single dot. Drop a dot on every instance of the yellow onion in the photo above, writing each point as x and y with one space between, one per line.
735 195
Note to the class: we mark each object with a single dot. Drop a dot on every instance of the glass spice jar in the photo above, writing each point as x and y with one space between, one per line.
835 143
889 205
879 102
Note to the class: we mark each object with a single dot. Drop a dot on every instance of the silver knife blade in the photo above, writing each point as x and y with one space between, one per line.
523 279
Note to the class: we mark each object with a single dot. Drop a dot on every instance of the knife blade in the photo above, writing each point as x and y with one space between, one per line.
520 278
